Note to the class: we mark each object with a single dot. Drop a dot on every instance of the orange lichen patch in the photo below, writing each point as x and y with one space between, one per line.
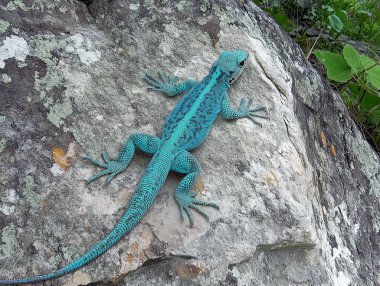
45 203
60 158
134 252
190 269
134 247
199 186
130 257
272 180
142 257
333 150
323 139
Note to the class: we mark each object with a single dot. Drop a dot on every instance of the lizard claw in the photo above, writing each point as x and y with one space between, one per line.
187 201
164 83
111 167
244 107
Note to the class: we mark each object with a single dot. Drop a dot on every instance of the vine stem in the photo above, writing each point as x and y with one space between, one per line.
316 40
361 98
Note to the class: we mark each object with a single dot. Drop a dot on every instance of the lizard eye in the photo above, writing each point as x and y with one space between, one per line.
242 63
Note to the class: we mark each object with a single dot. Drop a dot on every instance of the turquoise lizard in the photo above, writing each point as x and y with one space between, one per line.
185 128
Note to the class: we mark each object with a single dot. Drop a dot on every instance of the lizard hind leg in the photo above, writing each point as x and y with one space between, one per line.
146 143
184 196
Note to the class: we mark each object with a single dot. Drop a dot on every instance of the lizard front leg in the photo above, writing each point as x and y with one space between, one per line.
168 84
244 110
184 196
146 143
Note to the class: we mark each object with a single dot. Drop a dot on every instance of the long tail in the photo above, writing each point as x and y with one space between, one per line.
127 222
142 199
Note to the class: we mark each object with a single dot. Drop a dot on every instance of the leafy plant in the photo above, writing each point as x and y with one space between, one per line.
327 17
279 14
331 17
359 20
365 16
359 76
281 18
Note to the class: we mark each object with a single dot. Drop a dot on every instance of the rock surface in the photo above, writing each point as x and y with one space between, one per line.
299 198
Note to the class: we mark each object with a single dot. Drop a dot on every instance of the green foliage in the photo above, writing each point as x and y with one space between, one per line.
366 62
281 18
330 17
360 90
278 14
359 20
326 16
352 58
358 75
373 76
335 22
337 67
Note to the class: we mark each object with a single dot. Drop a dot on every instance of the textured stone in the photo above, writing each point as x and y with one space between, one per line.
299 198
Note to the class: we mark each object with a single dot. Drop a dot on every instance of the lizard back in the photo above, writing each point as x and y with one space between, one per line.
189 123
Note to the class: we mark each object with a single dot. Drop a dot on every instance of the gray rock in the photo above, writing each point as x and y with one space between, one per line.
299 198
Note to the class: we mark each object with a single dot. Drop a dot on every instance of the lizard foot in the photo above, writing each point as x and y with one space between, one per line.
251 113
165 83
187 201
111 167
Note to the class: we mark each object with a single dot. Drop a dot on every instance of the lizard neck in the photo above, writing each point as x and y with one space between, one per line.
222 78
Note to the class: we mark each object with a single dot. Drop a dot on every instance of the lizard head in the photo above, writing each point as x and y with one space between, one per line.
231 64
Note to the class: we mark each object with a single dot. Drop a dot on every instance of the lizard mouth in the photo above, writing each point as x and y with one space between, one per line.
236 75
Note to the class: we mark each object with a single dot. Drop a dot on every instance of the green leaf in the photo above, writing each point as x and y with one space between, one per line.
373 76
374 116
363 13
366 62
335 23
375 40
351 93
281 18
371 106
356 91
352 57
376 12
373 119
342 14
370 101
376 136
337 67
328 8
